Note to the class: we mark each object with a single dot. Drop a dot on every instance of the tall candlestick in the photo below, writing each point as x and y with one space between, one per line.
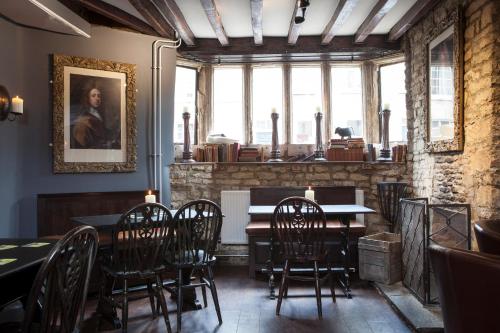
17 105
187 154
319 153
385 152
275 147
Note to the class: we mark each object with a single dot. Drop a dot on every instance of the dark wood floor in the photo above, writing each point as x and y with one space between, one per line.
245 308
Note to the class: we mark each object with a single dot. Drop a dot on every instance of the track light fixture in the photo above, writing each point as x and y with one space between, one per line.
302 5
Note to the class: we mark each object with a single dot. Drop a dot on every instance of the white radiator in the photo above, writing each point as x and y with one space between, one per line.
234 205
360 200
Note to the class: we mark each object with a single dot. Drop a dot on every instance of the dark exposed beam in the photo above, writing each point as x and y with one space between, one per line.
378 12
294 30
339 17
172 13
215 21
417 11
154 17
278 49
256 8
118 15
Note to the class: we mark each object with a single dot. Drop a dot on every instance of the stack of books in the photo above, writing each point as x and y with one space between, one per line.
399 153
249 154
346 150
223 152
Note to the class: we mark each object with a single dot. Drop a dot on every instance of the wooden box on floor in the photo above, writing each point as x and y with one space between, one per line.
380 257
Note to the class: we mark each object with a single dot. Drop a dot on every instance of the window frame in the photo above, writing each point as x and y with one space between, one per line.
196 89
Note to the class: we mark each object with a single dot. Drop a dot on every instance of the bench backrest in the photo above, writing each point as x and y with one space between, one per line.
324 195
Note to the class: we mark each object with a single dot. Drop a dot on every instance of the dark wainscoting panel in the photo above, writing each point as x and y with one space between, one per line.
55 210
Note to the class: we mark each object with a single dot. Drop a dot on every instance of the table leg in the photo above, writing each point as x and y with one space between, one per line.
345 253
270 268
190 300
107 312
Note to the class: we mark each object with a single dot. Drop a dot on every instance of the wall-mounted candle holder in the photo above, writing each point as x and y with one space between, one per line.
9 109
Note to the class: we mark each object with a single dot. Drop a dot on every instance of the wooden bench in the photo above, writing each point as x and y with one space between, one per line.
258 229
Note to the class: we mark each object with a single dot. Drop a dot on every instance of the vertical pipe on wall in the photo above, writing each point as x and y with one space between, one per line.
156 156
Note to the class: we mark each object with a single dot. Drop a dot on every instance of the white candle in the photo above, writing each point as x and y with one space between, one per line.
273 110
17 105
387 106
150 198
309 194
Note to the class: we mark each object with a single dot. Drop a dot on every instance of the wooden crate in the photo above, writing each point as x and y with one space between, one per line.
380 257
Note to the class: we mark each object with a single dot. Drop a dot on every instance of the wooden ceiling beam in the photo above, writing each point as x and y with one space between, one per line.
256 8
339 17
118 15
149 11
382 7
172 13
413 15
294 29
215 21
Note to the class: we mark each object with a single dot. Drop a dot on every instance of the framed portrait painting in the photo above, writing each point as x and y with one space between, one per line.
94 115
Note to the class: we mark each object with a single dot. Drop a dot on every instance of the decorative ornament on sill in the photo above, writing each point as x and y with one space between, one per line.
187 154
385 152
275 147
9 109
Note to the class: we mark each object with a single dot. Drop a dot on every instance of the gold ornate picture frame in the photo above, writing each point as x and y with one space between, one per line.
444 112
94 119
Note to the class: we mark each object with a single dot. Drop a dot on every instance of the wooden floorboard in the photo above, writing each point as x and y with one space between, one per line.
246 309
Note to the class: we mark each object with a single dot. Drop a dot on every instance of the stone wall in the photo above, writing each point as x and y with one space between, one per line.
207 180
471 176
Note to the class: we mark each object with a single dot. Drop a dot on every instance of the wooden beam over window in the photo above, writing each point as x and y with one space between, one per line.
382 7
118 15
215 21
339 17
293 31
414 14
256 8
154 17
172 13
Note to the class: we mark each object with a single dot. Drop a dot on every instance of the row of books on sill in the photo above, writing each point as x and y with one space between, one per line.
339 150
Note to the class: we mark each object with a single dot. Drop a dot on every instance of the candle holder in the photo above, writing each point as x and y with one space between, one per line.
385 152
187 154
275 147
319 153
7 109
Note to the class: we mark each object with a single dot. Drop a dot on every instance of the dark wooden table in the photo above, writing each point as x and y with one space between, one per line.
17 277
343 213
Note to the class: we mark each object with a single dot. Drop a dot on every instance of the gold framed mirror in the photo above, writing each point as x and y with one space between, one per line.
444 76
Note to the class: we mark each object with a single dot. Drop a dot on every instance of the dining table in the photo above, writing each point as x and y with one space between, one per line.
20 260
343 213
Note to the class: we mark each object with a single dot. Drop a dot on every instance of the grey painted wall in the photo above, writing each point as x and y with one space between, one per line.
26 155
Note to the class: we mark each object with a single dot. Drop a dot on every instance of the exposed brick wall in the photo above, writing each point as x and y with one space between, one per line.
471 176
194 181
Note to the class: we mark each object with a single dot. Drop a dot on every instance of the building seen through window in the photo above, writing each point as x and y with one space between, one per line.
184 100
393 94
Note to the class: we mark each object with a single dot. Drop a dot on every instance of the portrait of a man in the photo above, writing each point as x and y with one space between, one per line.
94 112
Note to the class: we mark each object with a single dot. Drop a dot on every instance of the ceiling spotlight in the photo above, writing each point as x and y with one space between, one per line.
301 4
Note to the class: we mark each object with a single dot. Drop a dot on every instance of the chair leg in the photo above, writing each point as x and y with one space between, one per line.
125 306
332 282
213 289
282 286
162 303
203 288
151 299
318 289
179 299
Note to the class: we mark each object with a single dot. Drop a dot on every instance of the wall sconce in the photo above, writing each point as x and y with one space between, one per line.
9 109
302 5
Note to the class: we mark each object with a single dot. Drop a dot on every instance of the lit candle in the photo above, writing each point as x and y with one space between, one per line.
150 198
17 105
386 106
309 194
273 110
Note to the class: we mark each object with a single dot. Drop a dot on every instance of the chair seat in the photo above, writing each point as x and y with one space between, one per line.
191 260
118 272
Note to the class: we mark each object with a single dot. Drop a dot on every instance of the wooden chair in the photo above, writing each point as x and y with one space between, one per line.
299 225
140 241
59 291
197 229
